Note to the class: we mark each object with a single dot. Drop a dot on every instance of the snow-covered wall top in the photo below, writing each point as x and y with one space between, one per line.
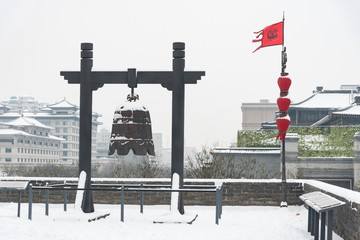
351 196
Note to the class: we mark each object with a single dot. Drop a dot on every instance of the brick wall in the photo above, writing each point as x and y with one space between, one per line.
260 193
234 194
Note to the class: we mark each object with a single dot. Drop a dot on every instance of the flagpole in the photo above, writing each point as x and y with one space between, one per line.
283 177
283 30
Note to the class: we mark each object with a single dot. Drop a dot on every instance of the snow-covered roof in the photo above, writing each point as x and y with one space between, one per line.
62 104
327 100
38 115
47 112
247 150
26 110
12 132
26 121
55 138
351 110
46 109
3 106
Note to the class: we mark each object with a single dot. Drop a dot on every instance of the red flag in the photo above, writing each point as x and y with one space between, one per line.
271 35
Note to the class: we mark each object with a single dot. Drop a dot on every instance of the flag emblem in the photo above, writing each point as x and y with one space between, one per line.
271 35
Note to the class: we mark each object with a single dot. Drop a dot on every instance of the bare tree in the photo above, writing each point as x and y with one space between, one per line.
206 165
43 170
143 168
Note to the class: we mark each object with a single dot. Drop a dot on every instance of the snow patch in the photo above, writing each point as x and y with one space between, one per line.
175 195
80 193
349 195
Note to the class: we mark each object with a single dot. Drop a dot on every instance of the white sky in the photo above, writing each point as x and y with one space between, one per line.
38 39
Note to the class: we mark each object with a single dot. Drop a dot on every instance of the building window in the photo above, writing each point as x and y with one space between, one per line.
57 130
8 150
65 130
64 123
7 159
57 123
65 145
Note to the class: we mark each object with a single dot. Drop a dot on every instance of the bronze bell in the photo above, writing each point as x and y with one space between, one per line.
131 129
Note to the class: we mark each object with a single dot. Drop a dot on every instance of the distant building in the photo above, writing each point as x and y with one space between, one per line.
321 104
102 143
347 116
102 148
26 140
325 108
253 114
23 102
63 117
157 139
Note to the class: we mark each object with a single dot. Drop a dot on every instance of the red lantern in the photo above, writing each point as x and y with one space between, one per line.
284 84
282 125
283 104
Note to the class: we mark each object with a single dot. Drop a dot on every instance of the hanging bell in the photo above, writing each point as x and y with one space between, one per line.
131 129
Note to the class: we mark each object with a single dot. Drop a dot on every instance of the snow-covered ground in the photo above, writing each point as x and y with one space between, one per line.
237 222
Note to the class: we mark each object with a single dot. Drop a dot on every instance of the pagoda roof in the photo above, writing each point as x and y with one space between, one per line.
63 104
26 121
13 132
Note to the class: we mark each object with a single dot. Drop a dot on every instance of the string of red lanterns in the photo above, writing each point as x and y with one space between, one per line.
283 121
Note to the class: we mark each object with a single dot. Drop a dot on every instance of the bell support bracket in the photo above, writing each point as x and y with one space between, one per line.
132 78
89 81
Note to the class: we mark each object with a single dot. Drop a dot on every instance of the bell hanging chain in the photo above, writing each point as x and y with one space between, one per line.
132 97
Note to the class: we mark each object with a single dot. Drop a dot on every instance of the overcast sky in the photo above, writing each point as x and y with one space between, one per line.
38 39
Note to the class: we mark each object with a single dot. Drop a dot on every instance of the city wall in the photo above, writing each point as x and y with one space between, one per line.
340 171
235 193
